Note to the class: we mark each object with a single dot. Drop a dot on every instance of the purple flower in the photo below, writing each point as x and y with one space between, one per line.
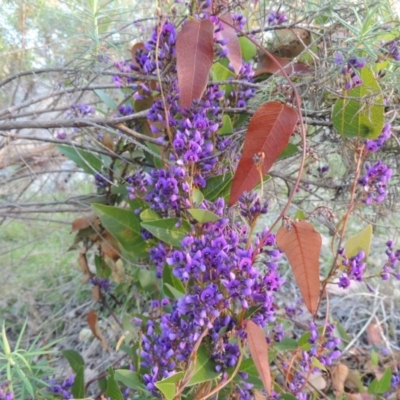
375 144
374 182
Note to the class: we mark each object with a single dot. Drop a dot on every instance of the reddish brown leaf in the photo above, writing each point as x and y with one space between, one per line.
194 58
269 131
233 45
110 247
83 222
290 42
266 65
258 347
302 245
94 327
134 48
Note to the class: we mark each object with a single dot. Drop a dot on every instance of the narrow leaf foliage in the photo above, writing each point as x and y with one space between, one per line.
302 245
194 57
269 131
259 353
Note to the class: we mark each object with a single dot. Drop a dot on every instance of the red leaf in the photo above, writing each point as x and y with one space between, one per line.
194 57
267 66
233 45
269 131
94 327
302 246
259 353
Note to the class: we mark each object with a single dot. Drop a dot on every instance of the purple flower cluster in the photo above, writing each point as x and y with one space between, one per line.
349 69
104 284
169 191
354 268
101 181
137 184
80 111
5 394
62 388
375 144
251 207
394 50
374 182
276 18
222 280
393 258
323 349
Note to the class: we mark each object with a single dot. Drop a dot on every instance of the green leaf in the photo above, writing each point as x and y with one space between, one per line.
82 158
26 383
198 197
249 49
247 366
218 186
106 99
78 388
205 368
383 385
288 151
74 359
361 113
227 127
300 215
250 311
172 292
286 344
173 287
374 358
221 73
318 364
124 225
130 379
360 241
146 278
168 385
287 396
113 390
166 230
203 216
149 215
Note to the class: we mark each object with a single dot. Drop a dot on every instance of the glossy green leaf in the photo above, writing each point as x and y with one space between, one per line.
130 379
113 391
361 112
74 359
78 388
251 311
172 292
149 215
221 73
361 241
82 158
218 186
168 385
166 230
205 368
203 216
198 197
124 225
172 286
227 127
249 49
288 151
382 385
